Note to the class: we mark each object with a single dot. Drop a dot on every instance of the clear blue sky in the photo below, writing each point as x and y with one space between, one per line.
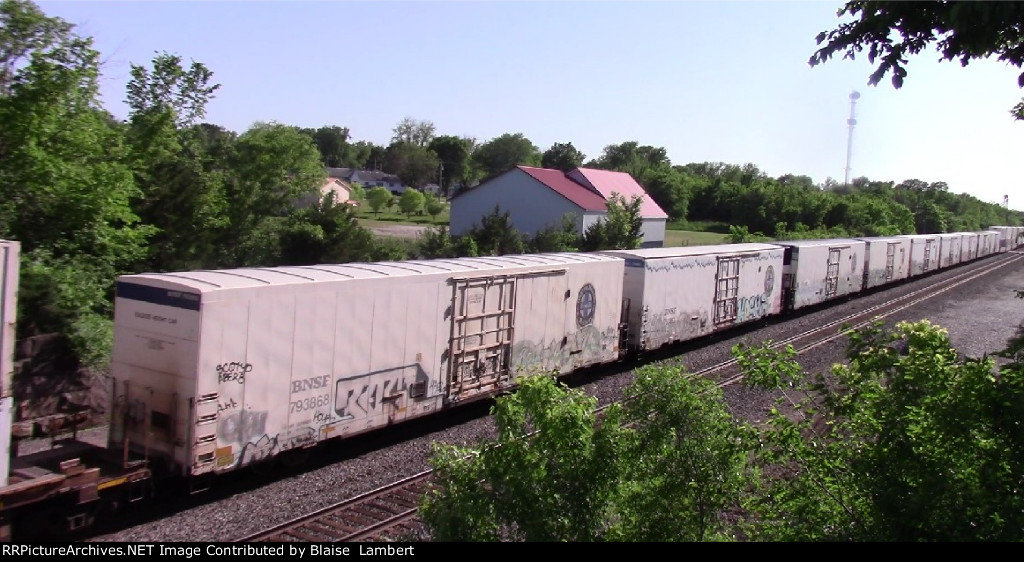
715 81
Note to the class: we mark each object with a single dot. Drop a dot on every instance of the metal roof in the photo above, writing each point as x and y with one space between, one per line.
205 281
683 251
825 242
607 182
566 187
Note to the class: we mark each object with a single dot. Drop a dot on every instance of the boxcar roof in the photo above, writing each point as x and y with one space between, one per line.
213 280
918 236
681 251
826 242
886 239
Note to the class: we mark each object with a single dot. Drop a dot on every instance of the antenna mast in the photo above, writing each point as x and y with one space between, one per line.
849 140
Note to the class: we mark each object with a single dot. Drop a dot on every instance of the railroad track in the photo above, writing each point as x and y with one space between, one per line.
380 513
727 372
391 512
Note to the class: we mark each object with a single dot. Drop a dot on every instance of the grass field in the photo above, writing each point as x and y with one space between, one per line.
368 218
693 238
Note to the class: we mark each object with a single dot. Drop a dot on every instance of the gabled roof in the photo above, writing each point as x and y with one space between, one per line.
560 183
586 188
346 174
607 182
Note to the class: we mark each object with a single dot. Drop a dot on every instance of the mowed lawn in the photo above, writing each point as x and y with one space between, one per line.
694 238
672 237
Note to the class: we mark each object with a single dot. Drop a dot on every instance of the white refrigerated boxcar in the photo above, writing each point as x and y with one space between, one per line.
681 293
969 246
989 243
1007 236
215 370
950 248
817 271
887 260
10 252
924 253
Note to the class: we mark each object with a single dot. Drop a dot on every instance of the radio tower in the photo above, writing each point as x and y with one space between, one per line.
849 140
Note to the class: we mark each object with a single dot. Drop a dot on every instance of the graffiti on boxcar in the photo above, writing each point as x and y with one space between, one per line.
233 371
364 396
225 406
751 308
670 325
583 346
242 426
254 451
268 446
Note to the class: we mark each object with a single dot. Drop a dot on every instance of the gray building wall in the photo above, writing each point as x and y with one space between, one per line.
654 233
531 205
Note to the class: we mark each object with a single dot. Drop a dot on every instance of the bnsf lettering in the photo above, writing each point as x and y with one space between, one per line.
310 384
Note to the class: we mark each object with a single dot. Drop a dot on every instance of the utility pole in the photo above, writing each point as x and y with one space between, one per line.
849 139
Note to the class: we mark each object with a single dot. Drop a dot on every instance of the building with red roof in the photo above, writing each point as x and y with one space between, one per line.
538 198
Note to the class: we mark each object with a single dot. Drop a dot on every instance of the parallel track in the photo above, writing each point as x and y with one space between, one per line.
389 511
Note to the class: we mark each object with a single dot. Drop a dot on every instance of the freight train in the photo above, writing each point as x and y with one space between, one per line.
214 371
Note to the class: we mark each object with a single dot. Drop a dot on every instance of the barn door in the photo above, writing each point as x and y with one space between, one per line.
480 345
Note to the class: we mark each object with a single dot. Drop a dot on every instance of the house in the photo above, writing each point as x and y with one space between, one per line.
537 198
369 179
342 193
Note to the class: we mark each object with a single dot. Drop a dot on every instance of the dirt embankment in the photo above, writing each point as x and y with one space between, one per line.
52 392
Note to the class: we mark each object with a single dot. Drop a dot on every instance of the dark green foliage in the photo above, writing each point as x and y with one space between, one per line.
561 238
959 30
325 233
494 235
505 152
453 155
619 230
908 442
562 156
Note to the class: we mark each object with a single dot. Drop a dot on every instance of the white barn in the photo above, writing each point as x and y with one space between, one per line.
538 198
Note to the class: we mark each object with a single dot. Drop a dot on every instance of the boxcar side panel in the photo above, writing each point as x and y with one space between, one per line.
153 367
825 272
9 269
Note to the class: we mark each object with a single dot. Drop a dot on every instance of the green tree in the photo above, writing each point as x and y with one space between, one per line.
893 31
379 198
411 202
357 192
65 184
332 142
555 485
274 165
619 230
325 233
686 463
433 205
453 154
908 442
436 243
411 131
563 237
495 235
632 158
415 165
505 152
562 156
179 168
